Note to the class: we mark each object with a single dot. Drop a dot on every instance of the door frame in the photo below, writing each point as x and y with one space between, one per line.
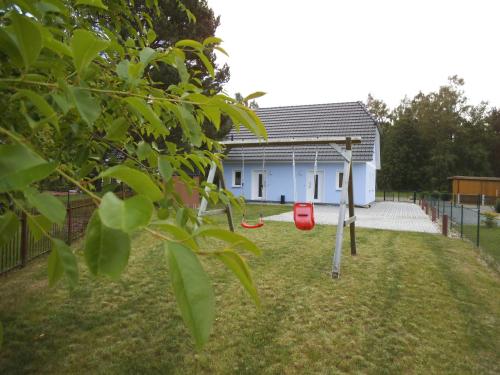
255 181
321 186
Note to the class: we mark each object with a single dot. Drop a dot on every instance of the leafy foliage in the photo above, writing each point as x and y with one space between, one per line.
81 105
434 136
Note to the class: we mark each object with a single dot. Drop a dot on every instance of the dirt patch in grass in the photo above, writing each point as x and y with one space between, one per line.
408 303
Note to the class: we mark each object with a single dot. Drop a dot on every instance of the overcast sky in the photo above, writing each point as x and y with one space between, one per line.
319 51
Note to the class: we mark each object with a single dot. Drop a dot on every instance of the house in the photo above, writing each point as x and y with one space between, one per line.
466 189
269 182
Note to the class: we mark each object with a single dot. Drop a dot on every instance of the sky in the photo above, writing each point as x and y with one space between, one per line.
320 51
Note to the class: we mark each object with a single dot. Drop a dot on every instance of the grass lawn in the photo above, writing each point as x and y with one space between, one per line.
489 240
408 303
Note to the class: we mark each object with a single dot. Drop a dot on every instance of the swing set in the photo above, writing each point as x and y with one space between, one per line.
303 212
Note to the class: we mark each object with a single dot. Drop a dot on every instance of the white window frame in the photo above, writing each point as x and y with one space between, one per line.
337 179
234 178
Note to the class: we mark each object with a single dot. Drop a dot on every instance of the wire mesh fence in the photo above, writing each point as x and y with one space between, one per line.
476 222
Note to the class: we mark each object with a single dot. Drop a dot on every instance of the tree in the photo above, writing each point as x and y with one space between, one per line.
434 136
75 93
379 111
493 126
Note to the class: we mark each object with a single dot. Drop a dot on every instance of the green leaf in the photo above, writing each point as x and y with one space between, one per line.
106 250
143 150
208 65
193 291
8 46
235 239
146 55
213 114
118 129
178 233
62 261
212 40
137 180
188 121
55 45
9 226
149 115
48 205
190 43
254 95
92 3
239 267
86 105
62 102
26 36
19 167
151 36
165 168
37 225
41 104
85 46
1 335
128 215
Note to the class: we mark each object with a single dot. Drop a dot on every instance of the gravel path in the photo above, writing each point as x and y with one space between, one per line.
381 215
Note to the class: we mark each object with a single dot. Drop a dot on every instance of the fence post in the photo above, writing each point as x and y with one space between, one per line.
445 225
478 219
384 195
451 213
24 239
462 222
70 220
414 197
438 208
433 213
398 195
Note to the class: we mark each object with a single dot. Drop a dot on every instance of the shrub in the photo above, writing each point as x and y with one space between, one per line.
490 219
435 194
445 196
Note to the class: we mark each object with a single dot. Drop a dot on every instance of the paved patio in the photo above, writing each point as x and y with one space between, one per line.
381 215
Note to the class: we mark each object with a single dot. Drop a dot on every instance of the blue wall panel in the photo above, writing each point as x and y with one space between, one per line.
280 181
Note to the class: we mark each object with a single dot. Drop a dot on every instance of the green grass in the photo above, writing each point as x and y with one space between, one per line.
489 240
408 303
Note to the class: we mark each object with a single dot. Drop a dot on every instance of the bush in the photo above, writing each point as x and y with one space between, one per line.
435 194
445 196
490 219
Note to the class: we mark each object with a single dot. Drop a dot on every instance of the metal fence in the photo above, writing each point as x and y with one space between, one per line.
24 246
468 221
396 196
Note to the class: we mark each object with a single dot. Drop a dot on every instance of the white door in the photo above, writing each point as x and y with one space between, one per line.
315 186
259 185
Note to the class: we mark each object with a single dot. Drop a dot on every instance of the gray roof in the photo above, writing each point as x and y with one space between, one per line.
317 120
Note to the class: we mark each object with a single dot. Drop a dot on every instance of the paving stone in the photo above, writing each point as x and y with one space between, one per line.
398 216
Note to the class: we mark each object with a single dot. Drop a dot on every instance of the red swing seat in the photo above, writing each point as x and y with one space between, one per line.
247 225
303 216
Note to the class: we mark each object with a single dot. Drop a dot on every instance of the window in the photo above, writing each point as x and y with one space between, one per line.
340 178
237 178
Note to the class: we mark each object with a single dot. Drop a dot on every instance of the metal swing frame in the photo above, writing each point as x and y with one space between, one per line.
342 145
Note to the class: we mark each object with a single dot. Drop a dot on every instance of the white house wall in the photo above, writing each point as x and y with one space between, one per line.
280 182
